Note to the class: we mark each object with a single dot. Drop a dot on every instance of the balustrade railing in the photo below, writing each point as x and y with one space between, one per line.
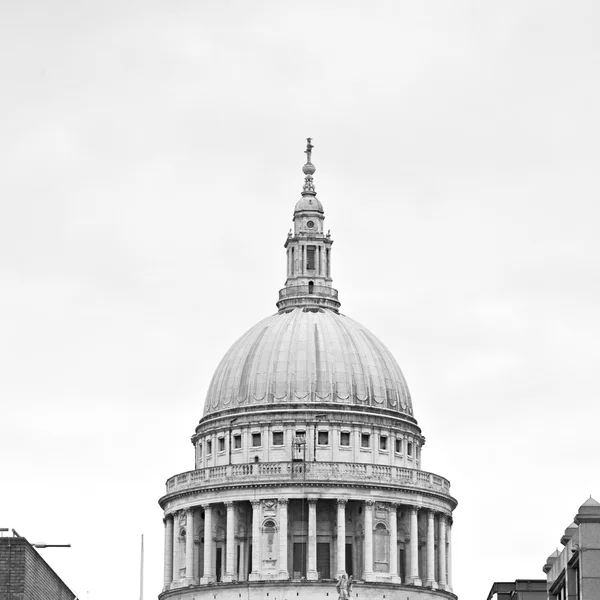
306 471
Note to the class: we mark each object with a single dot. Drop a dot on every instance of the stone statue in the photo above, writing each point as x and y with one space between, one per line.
344 587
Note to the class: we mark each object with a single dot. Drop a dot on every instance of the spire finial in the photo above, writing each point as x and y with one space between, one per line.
308 169
309 148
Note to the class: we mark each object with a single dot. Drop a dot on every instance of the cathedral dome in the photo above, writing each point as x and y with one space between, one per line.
308 356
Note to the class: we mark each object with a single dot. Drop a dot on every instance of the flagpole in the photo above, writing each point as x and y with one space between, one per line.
142 570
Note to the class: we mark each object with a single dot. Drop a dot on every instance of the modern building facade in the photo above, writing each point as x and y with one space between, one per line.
573 573
308 457
520 589
25 575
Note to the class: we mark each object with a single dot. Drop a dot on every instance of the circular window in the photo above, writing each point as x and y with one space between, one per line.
310 224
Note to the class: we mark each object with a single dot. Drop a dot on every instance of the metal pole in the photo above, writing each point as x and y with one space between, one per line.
142 570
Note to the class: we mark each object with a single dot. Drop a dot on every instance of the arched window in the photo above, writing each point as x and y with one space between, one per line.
311 287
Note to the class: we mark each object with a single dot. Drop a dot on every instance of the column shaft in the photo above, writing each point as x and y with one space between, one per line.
189 544
449 559
255 575
368 566
208 576
168 551
341 536
394 543
283 539
176 545
312 540
430 582
230 543
414 547
442 553
242 569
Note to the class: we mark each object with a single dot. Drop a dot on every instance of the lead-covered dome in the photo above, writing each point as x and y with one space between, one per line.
308 356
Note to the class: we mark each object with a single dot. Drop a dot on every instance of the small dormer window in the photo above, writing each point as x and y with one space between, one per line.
310 257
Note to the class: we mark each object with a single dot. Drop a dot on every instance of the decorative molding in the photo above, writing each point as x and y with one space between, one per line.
283 501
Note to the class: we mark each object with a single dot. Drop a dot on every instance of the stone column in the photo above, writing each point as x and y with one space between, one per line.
368 574
168 521
394 543
176 532
312 540
189 545
442 553
242 569
230 543
449 559
430 582
255 575
283 539
209 575
414 546
341 536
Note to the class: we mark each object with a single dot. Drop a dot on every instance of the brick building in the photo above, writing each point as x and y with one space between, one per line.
25 575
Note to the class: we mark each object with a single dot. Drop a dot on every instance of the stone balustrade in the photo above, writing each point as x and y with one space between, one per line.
325 472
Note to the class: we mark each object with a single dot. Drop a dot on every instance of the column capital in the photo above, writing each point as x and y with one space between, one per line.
369 503
229 504
394 505
255 504
312 500
342 501
414 509
283 501
206 506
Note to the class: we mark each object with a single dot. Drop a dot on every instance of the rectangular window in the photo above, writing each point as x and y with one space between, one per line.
237 441
199 450
310 257
209 447
344 438
398 446
365 440
323 438
278 438
300 437
383 442
256 440
409 449
221 444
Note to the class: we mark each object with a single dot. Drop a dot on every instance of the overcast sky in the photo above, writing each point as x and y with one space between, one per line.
151 157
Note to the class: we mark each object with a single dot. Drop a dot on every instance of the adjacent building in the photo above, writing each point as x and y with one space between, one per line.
25 575
308 457
521 589
573 573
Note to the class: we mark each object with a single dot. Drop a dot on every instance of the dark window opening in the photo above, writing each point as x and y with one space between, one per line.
410 448
323 438
209 447
365 440
310 257
311 287
278 438
237 441
256 439
221 444
383 442
344 438
199 450
399 446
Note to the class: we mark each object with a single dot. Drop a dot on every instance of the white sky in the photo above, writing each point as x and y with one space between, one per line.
151 157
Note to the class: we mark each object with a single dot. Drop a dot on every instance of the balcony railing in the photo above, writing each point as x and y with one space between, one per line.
305 290
325 472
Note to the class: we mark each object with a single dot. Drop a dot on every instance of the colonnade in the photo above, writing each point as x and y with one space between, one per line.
181 570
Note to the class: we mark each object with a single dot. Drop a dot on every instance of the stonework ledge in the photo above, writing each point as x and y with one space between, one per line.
324 472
